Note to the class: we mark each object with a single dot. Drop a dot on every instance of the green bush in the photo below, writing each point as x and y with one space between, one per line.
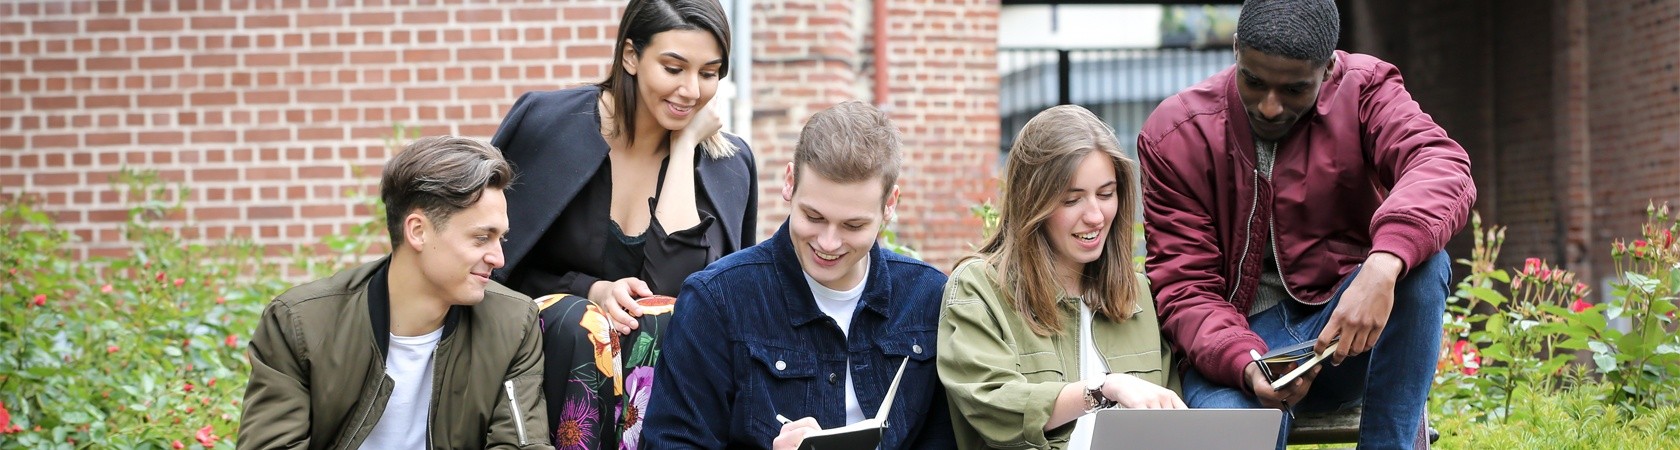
1511 340
1576 418
142 351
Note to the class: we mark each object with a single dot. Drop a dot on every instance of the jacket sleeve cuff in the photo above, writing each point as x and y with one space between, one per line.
1232 359
1408 241
1036 417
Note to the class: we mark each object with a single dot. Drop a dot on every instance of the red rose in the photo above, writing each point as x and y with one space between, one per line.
1466 357
1580 305
205 437
40 299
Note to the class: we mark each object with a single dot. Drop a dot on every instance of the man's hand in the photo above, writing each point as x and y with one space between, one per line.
618 300
1281 398
1363 311
793 433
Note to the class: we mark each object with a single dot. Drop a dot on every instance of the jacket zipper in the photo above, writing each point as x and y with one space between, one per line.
357 431
513 406
1272 227
1248 236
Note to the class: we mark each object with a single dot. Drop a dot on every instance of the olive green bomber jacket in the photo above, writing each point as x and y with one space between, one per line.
318 375
1002 379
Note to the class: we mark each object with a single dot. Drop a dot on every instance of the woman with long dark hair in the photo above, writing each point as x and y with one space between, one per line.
625 188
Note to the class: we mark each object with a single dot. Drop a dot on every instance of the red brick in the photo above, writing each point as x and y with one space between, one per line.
214 136
218 213
268 59
373 18
424 17
161 24
268 135
162 62
214 22
214 60
161 137
320 134
313 20
267 21
213 98
107 101
478 15
269 212
320 96
320 58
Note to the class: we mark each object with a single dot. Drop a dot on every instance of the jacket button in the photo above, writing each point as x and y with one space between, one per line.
781 365
832 377
916 348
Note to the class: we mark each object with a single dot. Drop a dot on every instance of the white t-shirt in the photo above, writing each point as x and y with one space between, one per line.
1090 367
840 305
408 362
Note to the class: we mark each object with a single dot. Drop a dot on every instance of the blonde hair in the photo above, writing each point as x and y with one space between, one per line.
1042 162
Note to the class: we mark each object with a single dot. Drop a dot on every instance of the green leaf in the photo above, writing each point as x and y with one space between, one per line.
75 417
1488 295
640 350
1606 362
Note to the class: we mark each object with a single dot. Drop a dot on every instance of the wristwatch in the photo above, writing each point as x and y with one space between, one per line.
1094 398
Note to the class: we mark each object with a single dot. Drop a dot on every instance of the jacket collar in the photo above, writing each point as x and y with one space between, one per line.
379 307
801 305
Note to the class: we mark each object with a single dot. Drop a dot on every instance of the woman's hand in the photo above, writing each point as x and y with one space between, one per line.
793 433
1134 393
618 300
705 124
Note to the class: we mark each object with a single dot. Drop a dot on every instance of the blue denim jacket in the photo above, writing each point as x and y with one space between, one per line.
747 342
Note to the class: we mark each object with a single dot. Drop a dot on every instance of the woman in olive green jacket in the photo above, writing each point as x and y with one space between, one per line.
1049 322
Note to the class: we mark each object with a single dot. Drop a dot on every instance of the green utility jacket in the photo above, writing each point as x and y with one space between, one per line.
1002 379
318 376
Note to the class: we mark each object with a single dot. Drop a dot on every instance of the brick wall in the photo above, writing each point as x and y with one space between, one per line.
268 109
1570 110
942 92
1633 107
265 109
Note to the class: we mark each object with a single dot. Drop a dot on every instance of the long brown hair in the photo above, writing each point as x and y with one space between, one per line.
642 20
1046 154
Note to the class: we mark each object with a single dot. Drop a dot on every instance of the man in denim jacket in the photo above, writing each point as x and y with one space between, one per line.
813 323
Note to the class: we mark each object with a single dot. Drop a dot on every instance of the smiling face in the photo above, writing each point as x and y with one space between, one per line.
455 257
676 74
1081 222
833 225
1277 91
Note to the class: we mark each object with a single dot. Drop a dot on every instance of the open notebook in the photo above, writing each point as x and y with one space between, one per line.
863 435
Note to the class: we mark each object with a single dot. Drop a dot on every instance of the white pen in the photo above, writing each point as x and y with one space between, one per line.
783 420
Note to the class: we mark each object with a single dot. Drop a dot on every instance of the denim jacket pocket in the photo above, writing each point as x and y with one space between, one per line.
783 375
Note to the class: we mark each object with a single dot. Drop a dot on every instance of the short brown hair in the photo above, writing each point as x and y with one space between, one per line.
439 176
850 142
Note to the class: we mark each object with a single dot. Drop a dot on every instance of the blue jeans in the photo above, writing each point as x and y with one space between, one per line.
1401 366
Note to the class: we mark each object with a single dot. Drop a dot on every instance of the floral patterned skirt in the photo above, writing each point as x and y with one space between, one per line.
596 391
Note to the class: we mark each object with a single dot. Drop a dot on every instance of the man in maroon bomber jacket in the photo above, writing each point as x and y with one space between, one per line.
1302 195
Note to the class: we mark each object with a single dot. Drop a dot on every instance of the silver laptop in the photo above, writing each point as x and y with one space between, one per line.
1224 429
